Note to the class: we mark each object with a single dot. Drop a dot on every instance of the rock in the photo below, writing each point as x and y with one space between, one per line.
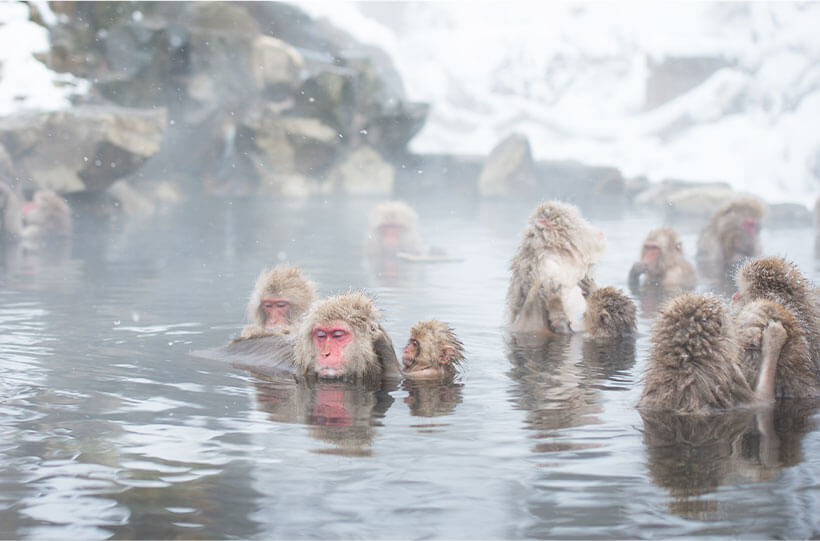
128 200
787 215
287 145
277 67
657 195
699 201
509 168
575 181
363 172
85 148
392 128
329 96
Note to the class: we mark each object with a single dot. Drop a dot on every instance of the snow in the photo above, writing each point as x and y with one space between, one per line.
25 82
573 78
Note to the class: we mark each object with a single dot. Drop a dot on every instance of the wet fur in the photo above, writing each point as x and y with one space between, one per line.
286 281
609 314
548 267
433 337
693 360
671 269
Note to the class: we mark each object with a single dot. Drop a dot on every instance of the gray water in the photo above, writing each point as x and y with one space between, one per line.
110 428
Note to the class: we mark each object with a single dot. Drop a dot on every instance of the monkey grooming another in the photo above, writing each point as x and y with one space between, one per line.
279 298
432 352
662 262
554 259
695 361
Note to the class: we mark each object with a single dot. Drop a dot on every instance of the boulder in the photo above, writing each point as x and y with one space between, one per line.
277 67
509 168
85 148
363 172
657 196
699 201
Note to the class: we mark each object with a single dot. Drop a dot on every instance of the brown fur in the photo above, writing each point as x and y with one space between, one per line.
550 264
49 217
370 354
723 243
398 214
693 360
436 352
11 219
285 281
670 269
609 314
796 375
778 280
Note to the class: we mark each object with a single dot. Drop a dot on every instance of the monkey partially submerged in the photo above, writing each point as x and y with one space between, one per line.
280 297
695 359
393 230
338 338
731 235
46 215
433 351
556 254
609 314
662 262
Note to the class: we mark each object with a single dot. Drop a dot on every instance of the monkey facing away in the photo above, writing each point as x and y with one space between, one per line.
554 258
433 351
46 215
279 298
662 262
730 235
781 281
609 314
694 361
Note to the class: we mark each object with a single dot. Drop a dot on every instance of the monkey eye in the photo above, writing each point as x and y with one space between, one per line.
282 304
267 304
320 333
338 334
414 342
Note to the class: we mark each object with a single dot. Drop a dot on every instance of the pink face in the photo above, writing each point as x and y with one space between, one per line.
751 226
390 234
411 351
277 312
330 409
330 341
651 252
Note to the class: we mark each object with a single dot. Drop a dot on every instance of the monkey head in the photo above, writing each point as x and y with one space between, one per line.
659 245
433 351
47 213
394 225
338 338
558 226
769 277
609 314
280 296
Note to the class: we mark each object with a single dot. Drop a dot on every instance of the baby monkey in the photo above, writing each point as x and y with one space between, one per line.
433 351
609 314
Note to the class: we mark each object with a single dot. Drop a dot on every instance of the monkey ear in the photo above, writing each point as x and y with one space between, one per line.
603 318
446 354
679 247
373 326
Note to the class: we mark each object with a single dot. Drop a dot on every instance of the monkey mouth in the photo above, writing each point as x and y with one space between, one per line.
330 372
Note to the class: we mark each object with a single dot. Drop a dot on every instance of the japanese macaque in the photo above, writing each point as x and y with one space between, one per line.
778 280
662 262
554 258
341 337
609 314
280 297
46 215
11 220
337 338
796 375
694 359
730 236
393 230
433 351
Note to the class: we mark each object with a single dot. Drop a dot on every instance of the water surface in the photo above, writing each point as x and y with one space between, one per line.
110 429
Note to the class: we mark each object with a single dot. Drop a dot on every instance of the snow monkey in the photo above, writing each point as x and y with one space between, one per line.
780 281
731 235
609 314
695 361
341 338
280 297
433 351
662 262
393 229
46 215
556 254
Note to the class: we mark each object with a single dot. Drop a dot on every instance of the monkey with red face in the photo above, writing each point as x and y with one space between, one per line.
432 352
662 262
730 236
46 215
280 297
